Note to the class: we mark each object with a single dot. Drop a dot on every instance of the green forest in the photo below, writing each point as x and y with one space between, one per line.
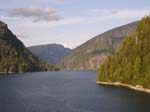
131 63
15 57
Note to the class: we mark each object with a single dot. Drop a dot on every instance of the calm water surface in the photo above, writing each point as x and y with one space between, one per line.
66 91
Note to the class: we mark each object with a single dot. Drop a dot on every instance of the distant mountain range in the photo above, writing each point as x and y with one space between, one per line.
15 57
94 52
51 53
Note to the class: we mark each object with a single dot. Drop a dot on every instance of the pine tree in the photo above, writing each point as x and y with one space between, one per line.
137 66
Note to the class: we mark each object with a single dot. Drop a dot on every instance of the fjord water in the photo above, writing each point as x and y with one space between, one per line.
66 91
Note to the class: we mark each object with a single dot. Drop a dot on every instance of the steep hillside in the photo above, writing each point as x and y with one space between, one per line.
89 55
51 53
14 57
131 64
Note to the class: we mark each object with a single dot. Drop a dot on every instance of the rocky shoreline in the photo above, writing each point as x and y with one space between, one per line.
137 87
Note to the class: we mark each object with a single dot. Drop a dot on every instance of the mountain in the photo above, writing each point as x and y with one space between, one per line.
89 55
131 64
51 53
14 57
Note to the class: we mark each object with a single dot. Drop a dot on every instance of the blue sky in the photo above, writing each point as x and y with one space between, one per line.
68 22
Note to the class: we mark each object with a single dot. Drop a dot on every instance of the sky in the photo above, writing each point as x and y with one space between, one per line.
68 22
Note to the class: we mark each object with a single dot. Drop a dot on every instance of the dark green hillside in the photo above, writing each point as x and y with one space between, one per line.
131 64
89 55
14 57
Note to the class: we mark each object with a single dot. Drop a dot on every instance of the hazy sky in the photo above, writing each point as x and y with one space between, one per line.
68 22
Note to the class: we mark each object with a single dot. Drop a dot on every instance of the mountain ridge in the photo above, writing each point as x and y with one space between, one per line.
96 50
51 53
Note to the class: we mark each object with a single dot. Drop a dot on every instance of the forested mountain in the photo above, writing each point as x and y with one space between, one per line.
51 53
131 64
89 55
14 57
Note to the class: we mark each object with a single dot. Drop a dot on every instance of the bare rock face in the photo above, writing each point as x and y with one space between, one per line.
94 52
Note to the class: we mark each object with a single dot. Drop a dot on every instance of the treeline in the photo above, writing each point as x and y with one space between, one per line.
13 61
131 64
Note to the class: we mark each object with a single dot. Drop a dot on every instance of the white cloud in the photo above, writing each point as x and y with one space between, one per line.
131 13
99 10
106 15
68 21
62 22
71 45
37 13
93 17
21 35
98 15
119 13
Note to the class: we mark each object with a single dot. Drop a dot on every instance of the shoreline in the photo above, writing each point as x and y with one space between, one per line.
137 87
